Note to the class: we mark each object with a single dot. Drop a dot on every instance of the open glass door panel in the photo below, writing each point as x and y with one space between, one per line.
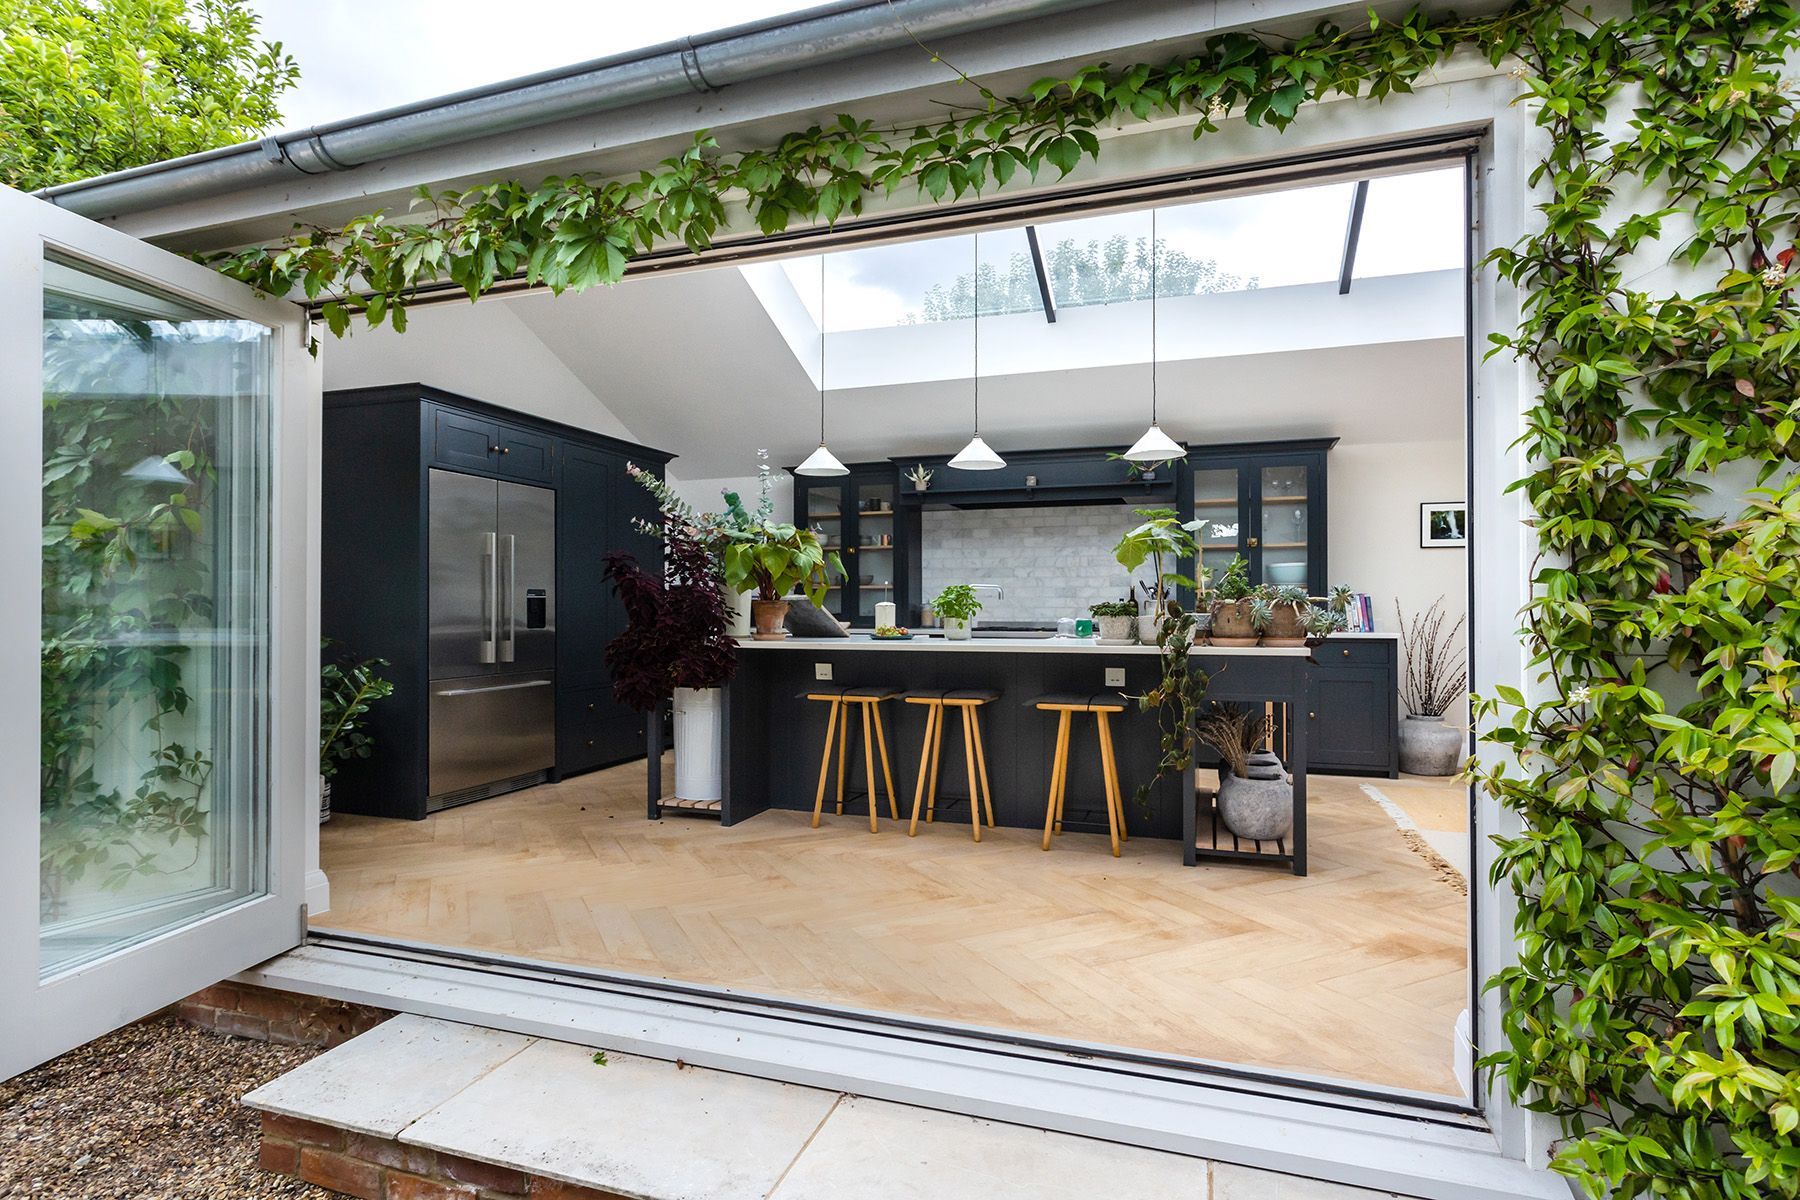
167 629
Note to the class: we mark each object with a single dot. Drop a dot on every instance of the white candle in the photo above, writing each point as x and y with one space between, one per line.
884 613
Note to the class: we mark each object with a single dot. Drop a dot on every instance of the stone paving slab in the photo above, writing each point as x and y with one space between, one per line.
639 1127
382 1081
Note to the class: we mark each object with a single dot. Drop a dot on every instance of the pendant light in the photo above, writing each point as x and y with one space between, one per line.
977 455
1155 446
822 461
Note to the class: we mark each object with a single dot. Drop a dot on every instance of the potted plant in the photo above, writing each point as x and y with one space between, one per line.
1231 619
347 688
1117 621
1162 541
676 646
1434 676
1287 615
775 558
1256 796
1175 699
921 478
956 607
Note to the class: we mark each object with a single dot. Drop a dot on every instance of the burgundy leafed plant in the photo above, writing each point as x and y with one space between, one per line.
675 633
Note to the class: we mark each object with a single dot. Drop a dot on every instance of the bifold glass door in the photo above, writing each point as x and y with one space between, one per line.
168 700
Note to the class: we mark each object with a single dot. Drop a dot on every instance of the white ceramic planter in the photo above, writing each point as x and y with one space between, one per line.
698 745
738 605
957 631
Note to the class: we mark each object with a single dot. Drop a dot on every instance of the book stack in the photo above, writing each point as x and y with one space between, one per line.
1360 615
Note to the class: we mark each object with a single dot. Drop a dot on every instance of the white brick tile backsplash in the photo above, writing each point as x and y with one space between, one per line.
1052 562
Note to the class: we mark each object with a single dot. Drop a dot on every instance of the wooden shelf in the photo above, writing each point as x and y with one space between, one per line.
1232 503
1284 500
876 512
1284 545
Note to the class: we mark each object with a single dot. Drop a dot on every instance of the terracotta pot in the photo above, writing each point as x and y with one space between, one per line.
768 616
1285 629
1231 624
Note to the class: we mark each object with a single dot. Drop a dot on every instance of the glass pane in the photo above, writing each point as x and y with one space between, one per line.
1284 520
1216 506
155 617
875 546
825 517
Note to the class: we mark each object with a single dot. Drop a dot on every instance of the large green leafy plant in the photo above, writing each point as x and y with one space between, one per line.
1652 764
91 86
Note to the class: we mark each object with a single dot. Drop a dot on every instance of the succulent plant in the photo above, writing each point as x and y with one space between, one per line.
1262 613
1321 622
1291 595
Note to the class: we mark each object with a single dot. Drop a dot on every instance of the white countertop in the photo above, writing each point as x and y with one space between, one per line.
991 645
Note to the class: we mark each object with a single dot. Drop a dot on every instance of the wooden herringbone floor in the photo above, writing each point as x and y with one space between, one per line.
1357 971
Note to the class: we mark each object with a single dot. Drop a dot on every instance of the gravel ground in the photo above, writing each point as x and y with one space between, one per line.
148 1113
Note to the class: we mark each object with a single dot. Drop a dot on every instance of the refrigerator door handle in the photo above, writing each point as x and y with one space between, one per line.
499 687
509 638
490 608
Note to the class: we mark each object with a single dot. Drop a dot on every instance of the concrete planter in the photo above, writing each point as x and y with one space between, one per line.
1117 631
1430 747
1256 810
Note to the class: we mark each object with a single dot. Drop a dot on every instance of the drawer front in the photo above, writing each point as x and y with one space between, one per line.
1354 652
460 440
594 730
524 455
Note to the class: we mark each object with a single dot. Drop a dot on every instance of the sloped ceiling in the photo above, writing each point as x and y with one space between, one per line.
692 363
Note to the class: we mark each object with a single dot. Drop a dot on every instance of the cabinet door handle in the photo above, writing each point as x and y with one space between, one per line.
493 449
590 708
506 449
590 741
1253 543
1312 716
1346 654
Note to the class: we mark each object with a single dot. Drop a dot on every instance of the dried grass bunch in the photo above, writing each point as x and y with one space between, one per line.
1436 674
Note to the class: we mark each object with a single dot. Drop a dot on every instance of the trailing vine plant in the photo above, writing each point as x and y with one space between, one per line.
1655 1006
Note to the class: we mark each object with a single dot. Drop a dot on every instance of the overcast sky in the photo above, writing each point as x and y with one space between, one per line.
357 56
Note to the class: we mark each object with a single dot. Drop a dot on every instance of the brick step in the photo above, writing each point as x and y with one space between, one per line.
423 1109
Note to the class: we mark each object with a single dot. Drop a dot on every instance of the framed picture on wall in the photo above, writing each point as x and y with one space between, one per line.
1443 523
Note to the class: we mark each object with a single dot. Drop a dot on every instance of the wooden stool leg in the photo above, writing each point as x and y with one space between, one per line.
1112 783
969 760
1065 730
931 719
1112 766
937 760
887 772
1057 761
843 752
987 793
869 764
825 765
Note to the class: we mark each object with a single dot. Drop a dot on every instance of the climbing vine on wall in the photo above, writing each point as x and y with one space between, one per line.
1655 1009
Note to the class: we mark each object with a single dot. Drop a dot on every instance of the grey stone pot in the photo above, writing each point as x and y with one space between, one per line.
1256 810
1430 747
1117 631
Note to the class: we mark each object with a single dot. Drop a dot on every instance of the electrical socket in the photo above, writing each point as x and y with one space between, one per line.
1115 677
823 671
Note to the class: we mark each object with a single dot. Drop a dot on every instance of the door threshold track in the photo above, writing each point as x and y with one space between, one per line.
1396 1146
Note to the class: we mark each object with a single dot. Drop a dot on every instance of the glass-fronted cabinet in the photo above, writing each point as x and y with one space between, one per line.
1265 501
854 515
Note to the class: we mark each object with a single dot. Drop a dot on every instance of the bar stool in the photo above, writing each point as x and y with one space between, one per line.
869 700
969 702
1066 705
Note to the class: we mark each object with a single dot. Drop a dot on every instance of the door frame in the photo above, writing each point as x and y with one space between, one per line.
76 1005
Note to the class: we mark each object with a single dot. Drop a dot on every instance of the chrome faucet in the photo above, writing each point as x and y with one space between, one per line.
999 594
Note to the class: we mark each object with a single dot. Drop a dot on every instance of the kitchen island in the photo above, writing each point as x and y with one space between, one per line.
774 737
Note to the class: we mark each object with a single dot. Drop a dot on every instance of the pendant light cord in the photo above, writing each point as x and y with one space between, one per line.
1152 316
977 240
821 349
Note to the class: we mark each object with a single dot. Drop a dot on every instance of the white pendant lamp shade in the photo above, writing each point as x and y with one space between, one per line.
1154 447
821 461
977 455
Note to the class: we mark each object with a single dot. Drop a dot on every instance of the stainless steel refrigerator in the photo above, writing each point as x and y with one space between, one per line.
492 652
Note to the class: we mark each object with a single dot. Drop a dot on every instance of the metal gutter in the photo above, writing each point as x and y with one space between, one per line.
701 64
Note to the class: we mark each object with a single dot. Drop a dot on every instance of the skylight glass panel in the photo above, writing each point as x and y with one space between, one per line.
910 283
1412 223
